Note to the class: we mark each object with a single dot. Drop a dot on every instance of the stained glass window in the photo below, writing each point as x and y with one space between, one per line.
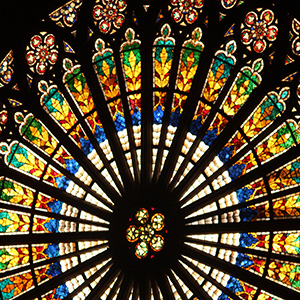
149 150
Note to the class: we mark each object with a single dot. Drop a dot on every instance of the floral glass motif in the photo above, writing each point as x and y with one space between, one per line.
145 234
110 12
259 30
296 40
6 70
186 9
68 13
42 53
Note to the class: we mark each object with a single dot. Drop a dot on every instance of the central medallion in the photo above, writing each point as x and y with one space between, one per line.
145 234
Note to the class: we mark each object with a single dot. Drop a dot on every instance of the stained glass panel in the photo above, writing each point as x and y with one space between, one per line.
150 150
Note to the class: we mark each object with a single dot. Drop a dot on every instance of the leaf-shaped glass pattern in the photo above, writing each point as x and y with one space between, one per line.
150 150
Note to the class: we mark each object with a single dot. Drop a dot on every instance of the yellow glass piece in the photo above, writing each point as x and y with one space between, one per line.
56 105
108 79
189 61
38 134
162 68
141 250
290 206
133 71
290 244
158 221
77 87
16 193
131 61
247 80
13 257
83 96
19 284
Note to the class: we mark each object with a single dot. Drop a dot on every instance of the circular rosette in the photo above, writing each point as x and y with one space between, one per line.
146 233
41 53
187 9
109 15
259 31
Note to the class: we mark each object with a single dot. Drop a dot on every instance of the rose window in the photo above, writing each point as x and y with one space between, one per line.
150 150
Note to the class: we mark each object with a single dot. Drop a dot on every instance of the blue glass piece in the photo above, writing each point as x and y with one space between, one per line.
100 134
247 240
196 125
158 115
236 171
55 206
52 225
61 292
86 146
234 285
72 166
210 136
227 63
52 250
120 122
243 260
248 214
244 194
295 171
54 269
136 117
62 182
226 153
224 297
175 117
4 215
